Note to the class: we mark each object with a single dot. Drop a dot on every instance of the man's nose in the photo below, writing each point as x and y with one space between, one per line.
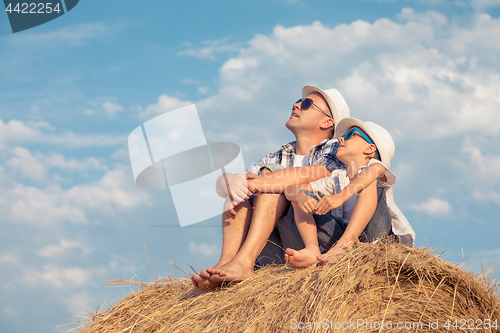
296 106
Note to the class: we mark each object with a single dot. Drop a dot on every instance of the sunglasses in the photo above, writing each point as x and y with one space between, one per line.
347 135
306 103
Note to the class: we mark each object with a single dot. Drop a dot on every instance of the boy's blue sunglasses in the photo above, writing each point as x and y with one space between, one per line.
347 135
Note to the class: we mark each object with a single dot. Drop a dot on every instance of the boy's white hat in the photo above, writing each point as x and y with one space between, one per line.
377 133
336 102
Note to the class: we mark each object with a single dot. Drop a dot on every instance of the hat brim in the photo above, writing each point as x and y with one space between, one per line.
346 123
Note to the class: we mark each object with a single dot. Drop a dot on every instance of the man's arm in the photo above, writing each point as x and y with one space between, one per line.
275 182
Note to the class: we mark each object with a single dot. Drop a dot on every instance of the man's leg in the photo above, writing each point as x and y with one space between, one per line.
268 208
234 232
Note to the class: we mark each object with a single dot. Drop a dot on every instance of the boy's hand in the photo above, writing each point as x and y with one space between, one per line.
306 203
327 203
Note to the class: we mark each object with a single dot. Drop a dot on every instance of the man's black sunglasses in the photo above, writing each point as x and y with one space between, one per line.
306 103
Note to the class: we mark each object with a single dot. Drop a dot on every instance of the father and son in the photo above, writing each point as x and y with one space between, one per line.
314 197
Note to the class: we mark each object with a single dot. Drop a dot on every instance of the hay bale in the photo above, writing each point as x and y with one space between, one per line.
399 288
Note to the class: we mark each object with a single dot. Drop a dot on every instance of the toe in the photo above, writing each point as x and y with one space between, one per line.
205 274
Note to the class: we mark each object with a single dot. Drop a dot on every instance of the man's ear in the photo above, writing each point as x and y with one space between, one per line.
327 123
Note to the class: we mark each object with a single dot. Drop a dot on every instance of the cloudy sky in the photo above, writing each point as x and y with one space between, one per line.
72 90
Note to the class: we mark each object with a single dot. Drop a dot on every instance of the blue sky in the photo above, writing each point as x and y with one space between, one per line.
72 90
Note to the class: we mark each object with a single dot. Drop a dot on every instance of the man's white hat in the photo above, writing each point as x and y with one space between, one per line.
336 102
377 133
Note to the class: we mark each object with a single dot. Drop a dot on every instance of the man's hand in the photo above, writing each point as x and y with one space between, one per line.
306 203
238 188
327 203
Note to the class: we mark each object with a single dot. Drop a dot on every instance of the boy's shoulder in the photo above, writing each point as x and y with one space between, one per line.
387 177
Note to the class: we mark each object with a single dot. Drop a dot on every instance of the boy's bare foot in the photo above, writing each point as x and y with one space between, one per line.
232 271
302 258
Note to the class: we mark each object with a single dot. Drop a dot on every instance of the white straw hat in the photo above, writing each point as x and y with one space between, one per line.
336 102
377 133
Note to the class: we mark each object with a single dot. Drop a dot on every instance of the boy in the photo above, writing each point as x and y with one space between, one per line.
365 147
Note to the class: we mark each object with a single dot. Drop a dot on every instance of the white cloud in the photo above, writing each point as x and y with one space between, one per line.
484 165
16 131
203 249
165 103
209 49
484 195
59 277
63 247
111 108
433 207
7 258
424 74
36 166
481 5
43 207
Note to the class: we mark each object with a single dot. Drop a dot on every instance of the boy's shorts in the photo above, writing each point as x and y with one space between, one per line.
330 229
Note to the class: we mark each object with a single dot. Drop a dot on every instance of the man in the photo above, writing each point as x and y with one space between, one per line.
248 222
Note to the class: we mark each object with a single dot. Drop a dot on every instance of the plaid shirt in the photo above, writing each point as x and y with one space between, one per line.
325 153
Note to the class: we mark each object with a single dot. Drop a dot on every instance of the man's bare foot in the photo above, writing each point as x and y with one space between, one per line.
232 271
302 258
332 254
200 279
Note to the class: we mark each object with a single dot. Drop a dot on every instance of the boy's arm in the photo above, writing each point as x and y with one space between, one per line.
294 194
359 182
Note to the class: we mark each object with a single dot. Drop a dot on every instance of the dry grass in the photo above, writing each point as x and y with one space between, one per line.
375 282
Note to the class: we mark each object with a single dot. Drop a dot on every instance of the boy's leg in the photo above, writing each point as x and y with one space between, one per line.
380 223
308 231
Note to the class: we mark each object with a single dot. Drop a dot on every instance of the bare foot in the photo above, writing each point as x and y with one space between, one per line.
232 271
200 279
331 254
302 258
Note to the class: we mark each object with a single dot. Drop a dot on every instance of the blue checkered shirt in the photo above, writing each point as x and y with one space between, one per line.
325 153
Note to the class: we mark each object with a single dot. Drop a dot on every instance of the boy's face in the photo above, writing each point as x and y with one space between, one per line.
354 149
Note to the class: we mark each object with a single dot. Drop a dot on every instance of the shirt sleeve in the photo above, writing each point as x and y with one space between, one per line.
327 156
269 158
326 186
390 178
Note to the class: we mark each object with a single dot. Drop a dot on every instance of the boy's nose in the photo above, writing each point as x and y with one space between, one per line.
341 139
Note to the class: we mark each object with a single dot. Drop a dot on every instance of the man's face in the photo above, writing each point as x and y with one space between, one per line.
310 119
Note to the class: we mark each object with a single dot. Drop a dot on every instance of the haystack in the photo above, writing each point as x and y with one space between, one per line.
378 287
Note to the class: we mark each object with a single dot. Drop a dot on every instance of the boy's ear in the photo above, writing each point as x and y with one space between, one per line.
370 149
